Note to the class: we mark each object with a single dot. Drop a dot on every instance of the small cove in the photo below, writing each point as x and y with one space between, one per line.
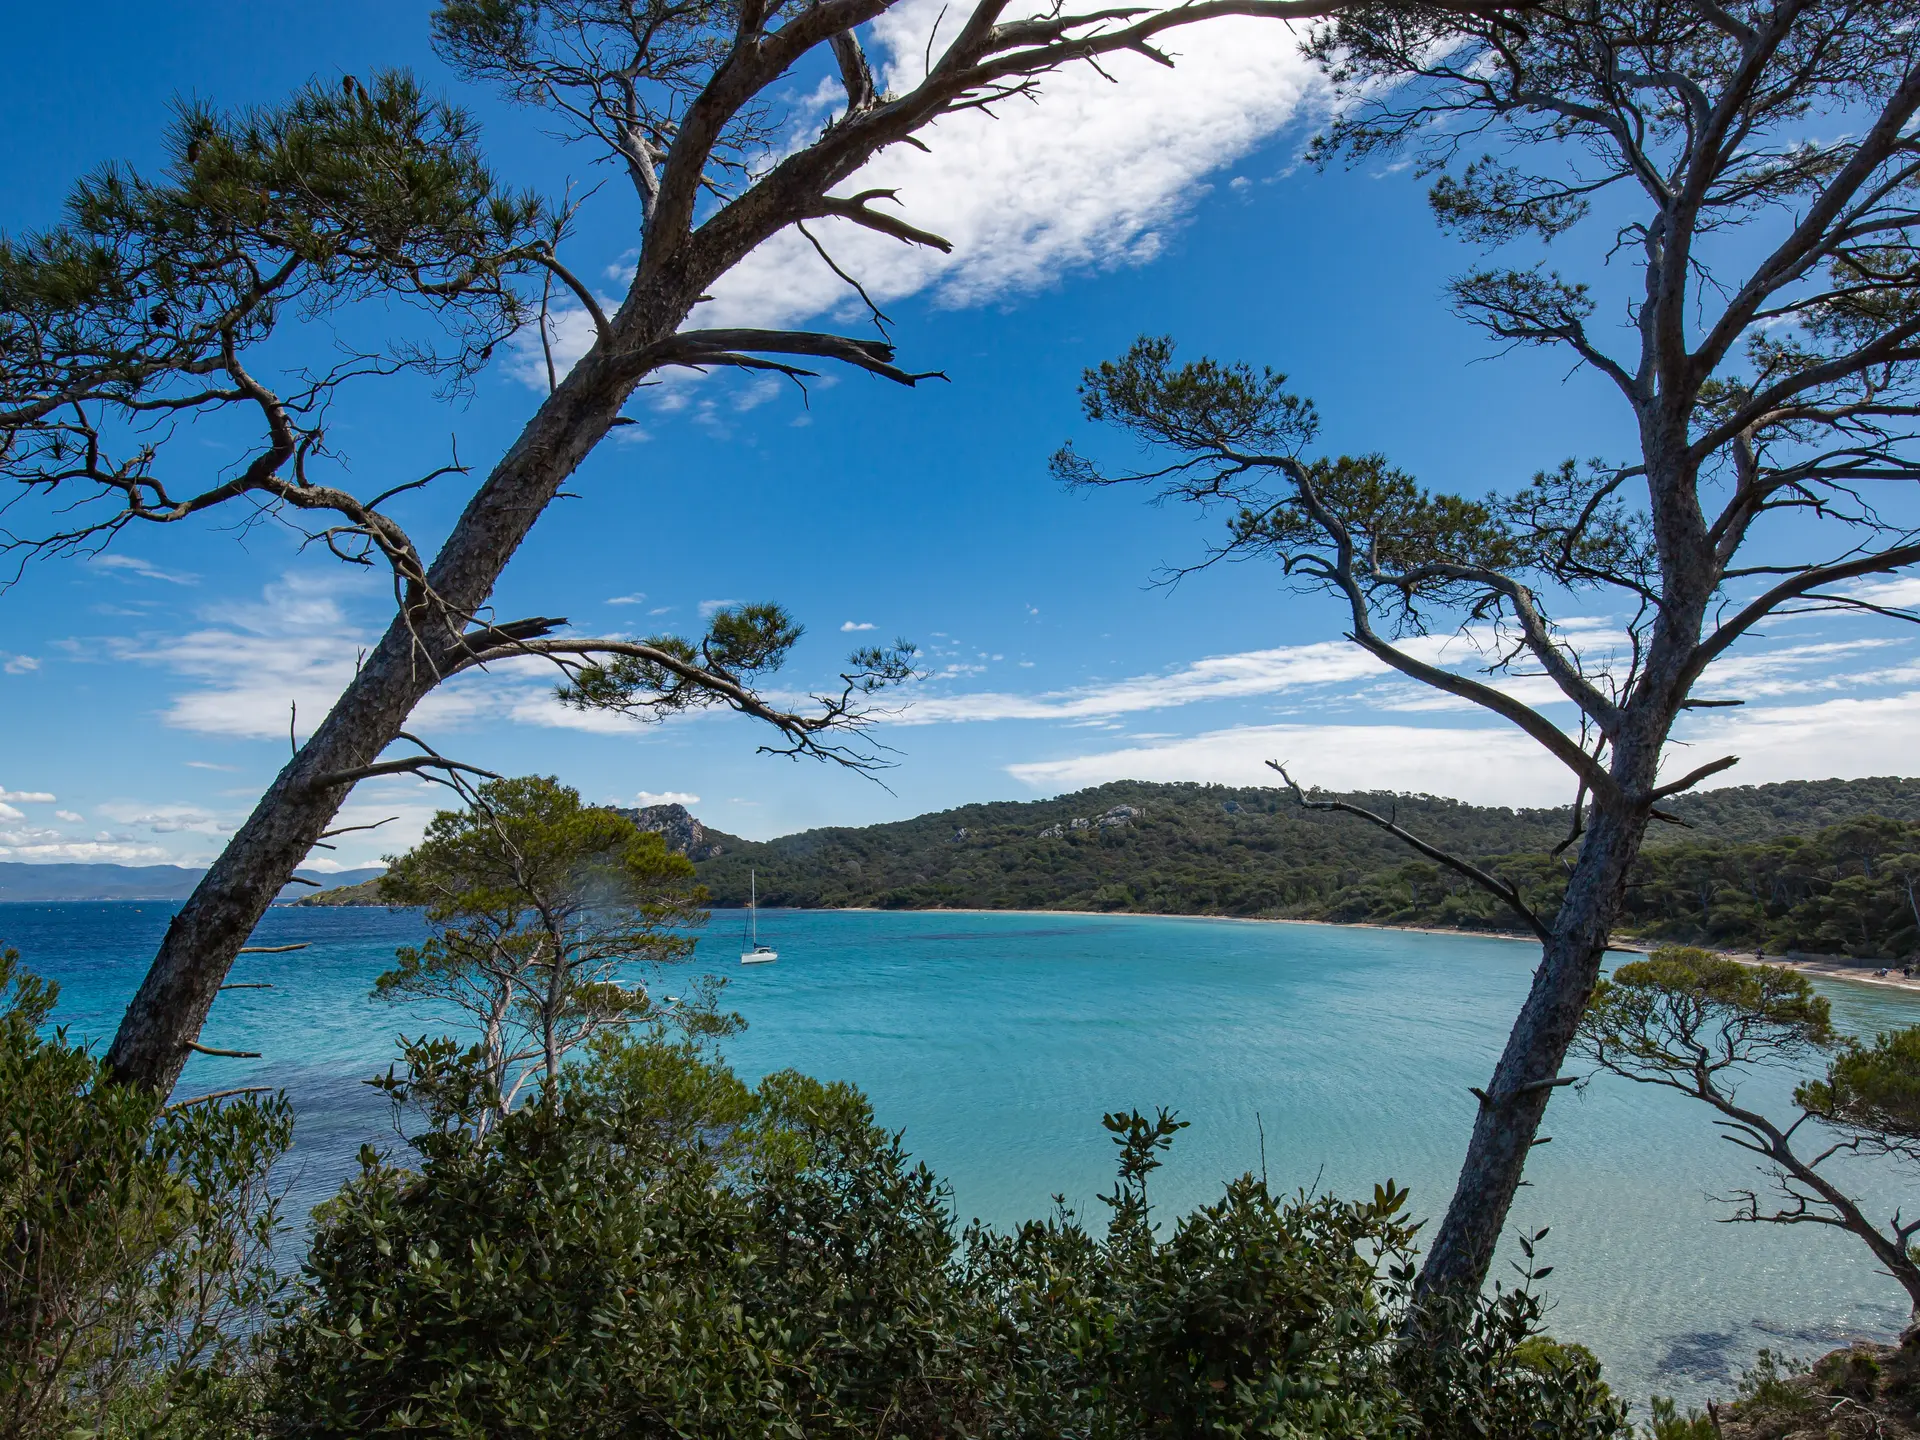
995 1041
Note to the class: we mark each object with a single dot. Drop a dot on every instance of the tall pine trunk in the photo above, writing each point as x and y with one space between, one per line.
1516 1098
165 1017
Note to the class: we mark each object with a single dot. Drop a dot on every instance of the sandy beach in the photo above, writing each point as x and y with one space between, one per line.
1828 967
1832 967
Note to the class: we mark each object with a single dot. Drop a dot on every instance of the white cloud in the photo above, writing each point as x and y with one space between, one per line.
665 797
27 797
282 661
72 817
94 852
1093 176
1219 677
710 608
1482 765
1797 669
132 566
637 598
1896 592
20 664
1840 738
1844 738
7 812
165 819
296 647
849 626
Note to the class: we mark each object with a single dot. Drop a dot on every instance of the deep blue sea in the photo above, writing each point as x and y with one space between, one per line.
996 1041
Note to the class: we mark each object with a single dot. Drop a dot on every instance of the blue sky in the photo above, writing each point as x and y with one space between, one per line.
144 696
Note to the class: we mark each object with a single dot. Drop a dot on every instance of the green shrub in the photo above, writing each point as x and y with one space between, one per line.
658 1249
133 1237
1776 1386
1669 1424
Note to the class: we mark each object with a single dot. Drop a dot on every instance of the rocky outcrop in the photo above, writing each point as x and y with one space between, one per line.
1106 820
673 823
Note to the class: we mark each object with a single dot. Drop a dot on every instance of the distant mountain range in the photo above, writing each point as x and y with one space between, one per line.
50 883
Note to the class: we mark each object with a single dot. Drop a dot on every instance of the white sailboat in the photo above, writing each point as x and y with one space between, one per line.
755 953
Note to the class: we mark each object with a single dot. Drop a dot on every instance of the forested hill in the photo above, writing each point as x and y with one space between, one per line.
1208 849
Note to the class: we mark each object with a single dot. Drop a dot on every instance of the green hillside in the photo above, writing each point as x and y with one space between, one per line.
1792 865
1828 866
1208 849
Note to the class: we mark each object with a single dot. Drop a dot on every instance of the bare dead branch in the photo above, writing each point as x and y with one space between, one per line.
1502 890
1695 776
199 1049
220 1095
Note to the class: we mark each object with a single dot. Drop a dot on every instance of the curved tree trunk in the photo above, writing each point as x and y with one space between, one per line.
160 1026
1516 1098
1529 1068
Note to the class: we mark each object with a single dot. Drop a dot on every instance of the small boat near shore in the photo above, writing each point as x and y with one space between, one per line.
755 953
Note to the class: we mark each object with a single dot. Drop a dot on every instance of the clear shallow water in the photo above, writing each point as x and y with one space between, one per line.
996 1041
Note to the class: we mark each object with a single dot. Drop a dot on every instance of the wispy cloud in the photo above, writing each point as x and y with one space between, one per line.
18 664
165 819
710 608
637 598
1483 765
1846 738
47 846
133 567
849 626
27 797
258 669
1218 677
665 797
1896 592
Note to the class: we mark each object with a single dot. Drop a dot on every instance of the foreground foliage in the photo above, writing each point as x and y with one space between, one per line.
133 1238
1863 1392
659 1249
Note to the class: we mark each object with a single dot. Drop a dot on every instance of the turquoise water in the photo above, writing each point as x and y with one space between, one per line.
996 1041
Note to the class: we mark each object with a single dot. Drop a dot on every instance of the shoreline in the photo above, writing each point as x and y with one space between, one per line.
1168 915
1825 967
1829 968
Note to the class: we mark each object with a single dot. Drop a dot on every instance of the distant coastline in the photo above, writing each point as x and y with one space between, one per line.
1830 967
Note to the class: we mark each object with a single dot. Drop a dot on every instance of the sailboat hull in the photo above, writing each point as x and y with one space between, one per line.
756 953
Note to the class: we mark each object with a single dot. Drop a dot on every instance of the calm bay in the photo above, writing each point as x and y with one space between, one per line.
996 1041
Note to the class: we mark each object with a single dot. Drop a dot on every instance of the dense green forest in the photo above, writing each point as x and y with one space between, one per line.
1825 866
1822 866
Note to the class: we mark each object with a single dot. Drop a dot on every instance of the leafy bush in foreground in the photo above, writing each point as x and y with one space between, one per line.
661 1250
133 1238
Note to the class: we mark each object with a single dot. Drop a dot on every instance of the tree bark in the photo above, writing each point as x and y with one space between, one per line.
1509 1119
152 1044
